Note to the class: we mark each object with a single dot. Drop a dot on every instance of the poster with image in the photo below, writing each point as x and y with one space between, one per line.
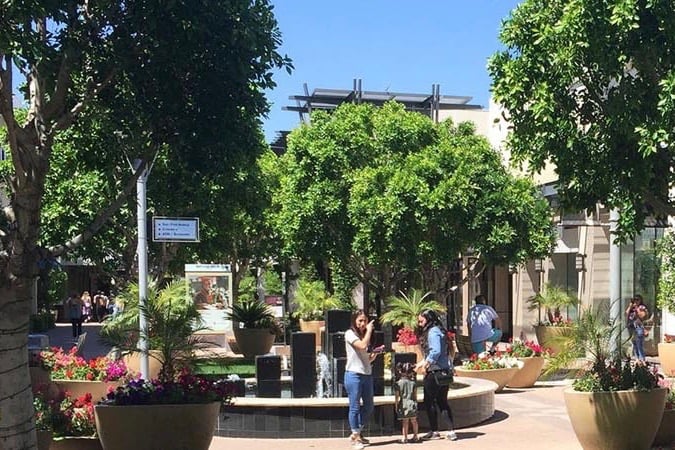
210 286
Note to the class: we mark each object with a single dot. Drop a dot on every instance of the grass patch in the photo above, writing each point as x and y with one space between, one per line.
226 366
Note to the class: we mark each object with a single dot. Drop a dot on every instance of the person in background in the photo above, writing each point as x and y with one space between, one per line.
74 307
479 321
358 379
435 343
86 306
636 315
405 400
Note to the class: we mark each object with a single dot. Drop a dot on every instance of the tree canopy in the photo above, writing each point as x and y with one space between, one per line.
590 87
387 192
184 83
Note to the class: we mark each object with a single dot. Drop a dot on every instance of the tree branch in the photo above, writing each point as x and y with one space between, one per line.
101 218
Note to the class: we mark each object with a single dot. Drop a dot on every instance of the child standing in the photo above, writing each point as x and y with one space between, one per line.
405 396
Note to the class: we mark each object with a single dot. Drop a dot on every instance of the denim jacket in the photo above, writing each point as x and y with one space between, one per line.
437 352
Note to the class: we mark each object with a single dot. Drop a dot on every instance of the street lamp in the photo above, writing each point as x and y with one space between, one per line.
539 265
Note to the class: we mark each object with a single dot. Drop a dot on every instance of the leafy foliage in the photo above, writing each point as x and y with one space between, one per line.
404 309
554 299
172 320
588 87
665 248
252 314
312 301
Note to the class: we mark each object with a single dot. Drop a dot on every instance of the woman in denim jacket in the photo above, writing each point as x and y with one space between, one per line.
433 339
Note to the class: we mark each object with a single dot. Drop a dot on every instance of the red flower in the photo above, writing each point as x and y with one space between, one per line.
406 336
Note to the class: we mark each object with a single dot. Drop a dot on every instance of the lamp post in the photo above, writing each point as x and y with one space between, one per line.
539 268
142 252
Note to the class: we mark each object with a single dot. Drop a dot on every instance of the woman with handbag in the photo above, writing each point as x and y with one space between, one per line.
433 338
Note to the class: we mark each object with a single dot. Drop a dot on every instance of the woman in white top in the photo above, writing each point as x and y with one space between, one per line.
358 375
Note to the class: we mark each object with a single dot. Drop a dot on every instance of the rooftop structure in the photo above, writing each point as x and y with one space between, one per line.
324 99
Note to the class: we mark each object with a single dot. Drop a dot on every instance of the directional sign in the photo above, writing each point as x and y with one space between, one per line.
175 229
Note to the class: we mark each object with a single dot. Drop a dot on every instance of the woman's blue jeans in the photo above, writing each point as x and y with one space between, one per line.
359 388
639 344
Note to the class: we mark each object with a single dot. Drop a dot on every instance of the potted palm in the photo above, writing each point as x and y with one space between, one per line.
178 409
603 400
255 326
402 311
311 303
553 302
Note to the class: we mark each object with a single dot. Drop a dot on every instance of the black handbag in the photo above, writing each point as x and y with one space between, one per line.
443 377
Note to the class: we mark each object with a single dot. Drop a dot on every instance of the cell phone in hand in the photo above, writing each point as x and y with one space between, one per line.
378 349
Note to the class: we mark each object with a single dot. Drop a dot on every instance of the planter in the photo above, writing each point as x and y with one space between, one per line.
546 336
621 420
44 440
313 326
665 435
157 427
667 358
499 376
232 343
402 348
529 373
76 443
254 341
78 388
133 363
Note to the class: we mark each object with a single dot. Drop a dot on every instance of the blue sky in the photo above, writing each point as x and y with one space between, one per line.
394 45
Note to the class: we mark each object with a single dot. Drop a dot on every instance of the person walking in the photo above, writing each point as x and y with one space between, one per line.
358 379
433 338
480 322
74 306
405 400
636 315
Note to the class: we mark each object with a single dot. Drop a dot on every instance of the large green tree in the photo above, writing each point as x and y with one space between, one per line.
383 192
589 86
196 72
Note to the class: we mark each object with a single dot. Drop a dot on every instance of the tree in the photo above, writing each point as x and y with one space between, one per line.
590 86
193 70
385 192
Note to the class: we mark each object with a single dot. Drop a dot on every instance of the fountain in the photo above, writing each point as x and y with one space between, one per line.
318 406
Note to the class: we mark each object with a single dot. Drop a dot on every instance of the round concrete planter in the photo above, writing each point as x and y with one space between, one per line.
527 375
157 427
76 443
133 363
254 341
313 326
667 358
546 337
620 420
665 435
499 376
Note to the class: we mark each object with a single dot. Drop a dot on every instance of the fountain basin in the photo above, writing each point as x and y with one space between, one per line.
471 401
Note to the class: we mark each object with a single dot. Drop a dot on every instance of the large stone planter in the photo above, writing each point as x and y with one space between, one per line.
402 348
157 427
78 388
547 336
621 420
254 341
667 358
665 435
76 443
313 326
500 376
527 375
133 363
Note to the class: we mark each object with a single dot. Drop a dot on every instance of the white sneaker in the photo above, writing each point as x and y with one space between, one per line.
358 446
451 435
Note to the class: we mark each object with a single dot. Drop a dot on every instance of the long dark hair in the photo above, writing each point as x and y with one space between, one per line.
355 315
432 320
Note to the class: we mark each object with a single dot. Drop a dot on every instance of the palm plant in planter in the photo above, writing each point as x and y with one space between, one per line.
603 401
176 410
312 301
402 311
554 302
255 326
